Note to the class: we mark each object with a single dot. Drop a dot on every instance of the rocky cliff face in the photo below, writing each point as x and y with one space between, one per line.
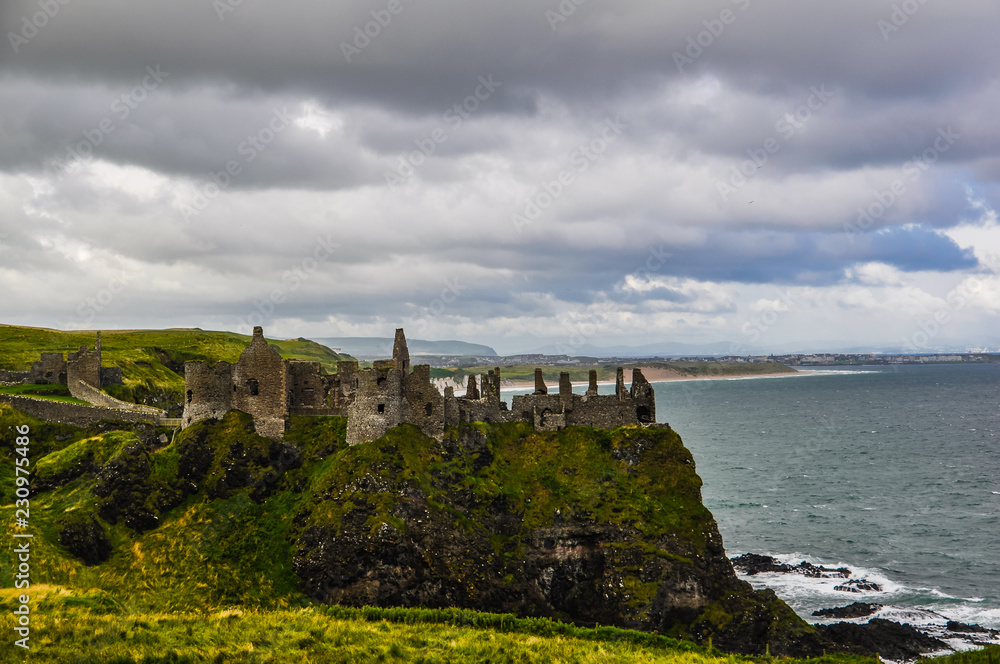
582 525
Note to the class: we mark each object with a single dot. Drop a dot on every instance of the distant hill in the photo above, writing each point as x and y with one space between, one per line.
382 347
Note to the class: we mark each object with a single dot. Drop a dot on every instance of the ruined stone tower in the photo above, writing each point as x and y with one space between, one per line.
388 395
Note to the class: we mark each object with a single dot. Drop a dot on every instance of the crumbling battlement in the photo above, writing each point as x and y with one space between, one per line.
392 392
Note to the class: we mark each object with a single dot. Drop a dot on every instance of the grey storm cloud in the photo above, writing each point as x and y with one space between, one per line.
205 146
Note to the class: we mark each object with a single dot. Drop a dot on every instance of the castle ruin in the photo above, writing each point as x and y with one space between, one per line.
81 372
392 392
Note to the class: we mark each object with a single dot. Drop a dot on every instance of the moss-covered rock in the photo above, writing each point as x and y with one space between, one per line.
83 536
583 525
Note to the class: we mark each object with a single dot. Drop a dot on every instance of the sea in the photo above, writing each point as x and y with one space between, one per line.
890 471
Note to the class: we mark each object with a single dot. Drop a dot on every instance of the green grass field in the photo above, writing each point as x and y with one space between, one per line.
70 628
50 392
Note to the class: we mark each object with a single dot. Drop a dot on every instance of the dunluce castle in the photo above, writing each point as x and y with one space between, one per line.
391 393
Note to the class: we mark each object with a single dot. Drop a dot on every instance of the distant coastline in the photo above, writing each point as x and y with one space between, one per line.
666 374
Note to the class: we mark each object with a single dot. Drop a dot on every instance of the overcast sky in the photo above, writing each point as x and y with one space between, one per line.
512 173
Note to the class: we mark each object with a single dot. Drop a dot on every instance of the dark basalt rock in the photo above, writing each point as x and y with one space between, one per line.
84 537
753 563
452 533
130 495
859 586
889 639
964 628
381 531
856 610
84 466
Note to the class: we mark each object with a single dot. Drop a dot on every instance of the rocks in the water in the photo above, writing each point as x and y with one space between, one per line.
889 639
859 586
754 563
856 610
963 628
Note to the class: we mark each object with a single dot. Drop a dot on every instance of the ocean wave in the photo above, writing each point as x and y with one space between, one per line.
900 603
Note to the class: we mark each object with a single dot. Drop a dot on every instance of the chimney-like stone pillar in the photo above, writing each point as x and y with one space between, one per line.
592 389
620 384
540 387
565 391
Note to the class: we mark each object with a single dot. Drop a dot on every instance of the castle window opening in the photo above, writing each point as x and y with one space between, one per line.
190 394
252 387
642 414
429 409
381 408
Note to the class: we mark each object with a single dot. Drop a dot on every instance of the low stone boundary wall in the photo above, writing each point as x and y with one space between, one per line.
95 397
75 414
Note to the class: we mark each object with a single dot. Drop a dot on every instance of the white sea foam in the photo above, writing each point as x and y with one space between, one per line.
806 594
803 591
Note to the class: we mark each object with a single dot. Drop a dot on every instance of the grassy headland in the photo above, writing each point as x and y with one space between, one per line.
199 545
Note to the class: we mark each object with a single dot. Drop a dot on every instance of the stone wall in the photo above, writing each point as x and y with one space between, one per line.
208 391
423 403
95 397
307 391
342 388
14 377
378 404
49 370
259 379
74 414
548 412
83 366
